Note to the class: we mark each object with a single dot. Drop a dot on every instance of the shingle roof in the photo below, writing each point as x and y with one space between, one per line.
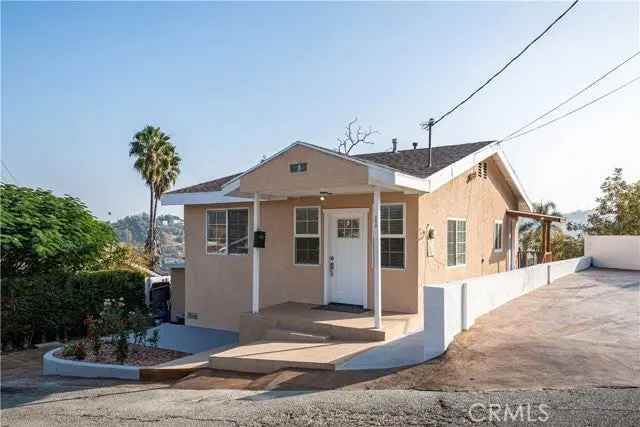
203 187
411 162
415 162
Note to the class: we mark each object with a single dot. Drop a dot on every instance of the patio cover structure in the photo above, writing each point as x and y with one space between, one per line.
546 221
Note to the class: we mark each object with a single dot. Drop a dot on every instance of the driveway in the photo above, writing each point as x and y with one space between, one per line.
580 331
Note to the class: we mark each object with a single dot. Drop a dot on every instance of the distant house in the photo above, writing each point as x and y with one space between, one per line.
365 230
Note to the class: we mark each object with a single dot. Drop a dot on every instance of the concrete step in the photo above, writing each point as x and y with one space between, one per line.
269 356
277 334
255 326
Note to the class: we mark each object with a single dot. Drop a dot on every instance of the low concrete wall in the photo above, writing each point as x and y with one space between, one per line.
454 306
621 252
52 365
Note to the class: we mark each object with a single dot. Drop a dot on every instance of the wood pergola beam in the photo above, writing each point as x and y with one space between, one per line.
536 216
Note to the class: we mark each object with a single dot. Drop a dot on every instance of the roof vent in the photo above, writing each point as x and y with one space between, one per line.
415 145
394 142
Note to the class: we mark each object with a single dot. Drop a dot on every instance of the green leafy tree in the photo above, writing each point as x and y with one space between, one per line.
618 210
42 233
158 163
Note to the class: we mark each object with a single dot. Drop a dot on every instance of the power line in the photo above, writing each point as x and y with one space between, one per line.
572 97
9 172
427 124
593 101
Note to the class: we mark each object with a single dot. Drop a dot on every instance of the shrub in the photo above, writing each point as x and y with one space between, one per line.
95 330
139 321
121 351
154 339
54 306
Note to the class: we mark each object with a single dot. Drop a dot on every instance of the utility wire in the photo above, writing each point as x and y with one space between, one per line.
572 97
611 92
9 172
426 124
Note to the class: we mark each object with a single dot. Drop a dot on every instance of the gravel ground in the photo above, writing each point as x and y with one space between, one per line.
163 405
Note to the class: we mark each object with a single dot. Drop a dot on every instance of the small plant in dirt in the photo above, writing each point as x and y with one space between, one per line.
121 351
139 321
95 330
76 350
154 339
68 350
111 316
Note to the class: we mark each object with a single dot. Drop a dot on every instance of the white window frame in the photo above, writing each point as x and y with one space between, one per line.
226 225
498 250
395 236
318 236
466 241
299 172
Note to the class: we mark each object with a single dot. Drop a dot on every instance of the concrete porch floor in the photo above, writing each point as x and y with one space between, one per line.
336 324
347 335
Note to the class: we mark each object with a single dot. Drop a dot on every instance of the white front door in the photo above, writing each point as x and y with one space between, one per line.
346 256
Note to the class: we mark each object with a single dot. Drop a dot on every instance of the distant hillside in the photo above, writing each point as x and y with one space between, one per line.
578 217
133 230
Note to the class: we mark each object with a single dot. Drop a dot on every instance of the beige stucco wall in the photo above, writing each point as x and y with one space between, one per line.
218 287
324 171
481 202
177 293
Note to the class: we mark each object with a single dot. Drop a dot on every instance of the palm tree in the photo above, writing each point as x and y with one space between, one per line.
159 165
169 171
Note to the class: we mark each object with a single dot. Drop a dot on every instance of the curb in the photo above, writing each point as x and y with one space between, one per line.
52 365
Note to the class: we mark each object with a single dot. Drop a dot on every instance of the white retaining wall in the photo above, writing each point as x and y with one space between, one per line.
454 306
52 365
613 251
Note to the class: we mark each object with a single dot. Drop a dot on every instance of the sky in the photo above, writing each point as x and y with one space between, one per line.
231 82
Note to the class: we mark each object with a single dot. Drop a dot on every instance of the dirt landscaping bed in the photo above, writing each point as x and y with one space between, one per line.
138 355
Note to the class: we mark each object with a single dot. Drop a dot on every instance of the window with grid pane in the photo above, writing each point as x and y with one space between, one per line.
238 224
497 236
392 230
348 228
216 232
456 242
307 236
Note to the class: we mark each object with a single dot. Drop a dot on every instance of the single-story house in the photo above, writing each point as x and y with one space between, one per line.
366 230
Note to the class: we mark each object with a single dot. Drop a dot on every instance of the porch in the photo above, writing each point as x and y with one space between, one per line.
297 335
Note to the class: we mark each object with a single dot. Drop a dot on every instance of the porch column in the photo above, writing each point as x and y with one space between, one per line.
377 270
255 285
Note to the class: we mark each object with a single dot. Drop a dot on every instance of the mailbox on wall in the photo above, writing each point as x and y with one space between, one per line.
259 238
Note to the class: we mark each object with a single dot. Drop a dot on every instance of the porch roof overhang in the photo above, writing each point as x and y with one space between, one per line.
536 216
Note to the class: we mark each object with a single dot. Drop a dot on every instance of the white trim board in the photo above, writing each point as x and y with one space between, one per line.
200 198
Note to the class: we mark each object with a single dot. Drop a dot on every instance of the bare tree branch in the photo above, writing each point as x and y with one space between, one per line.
354 136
